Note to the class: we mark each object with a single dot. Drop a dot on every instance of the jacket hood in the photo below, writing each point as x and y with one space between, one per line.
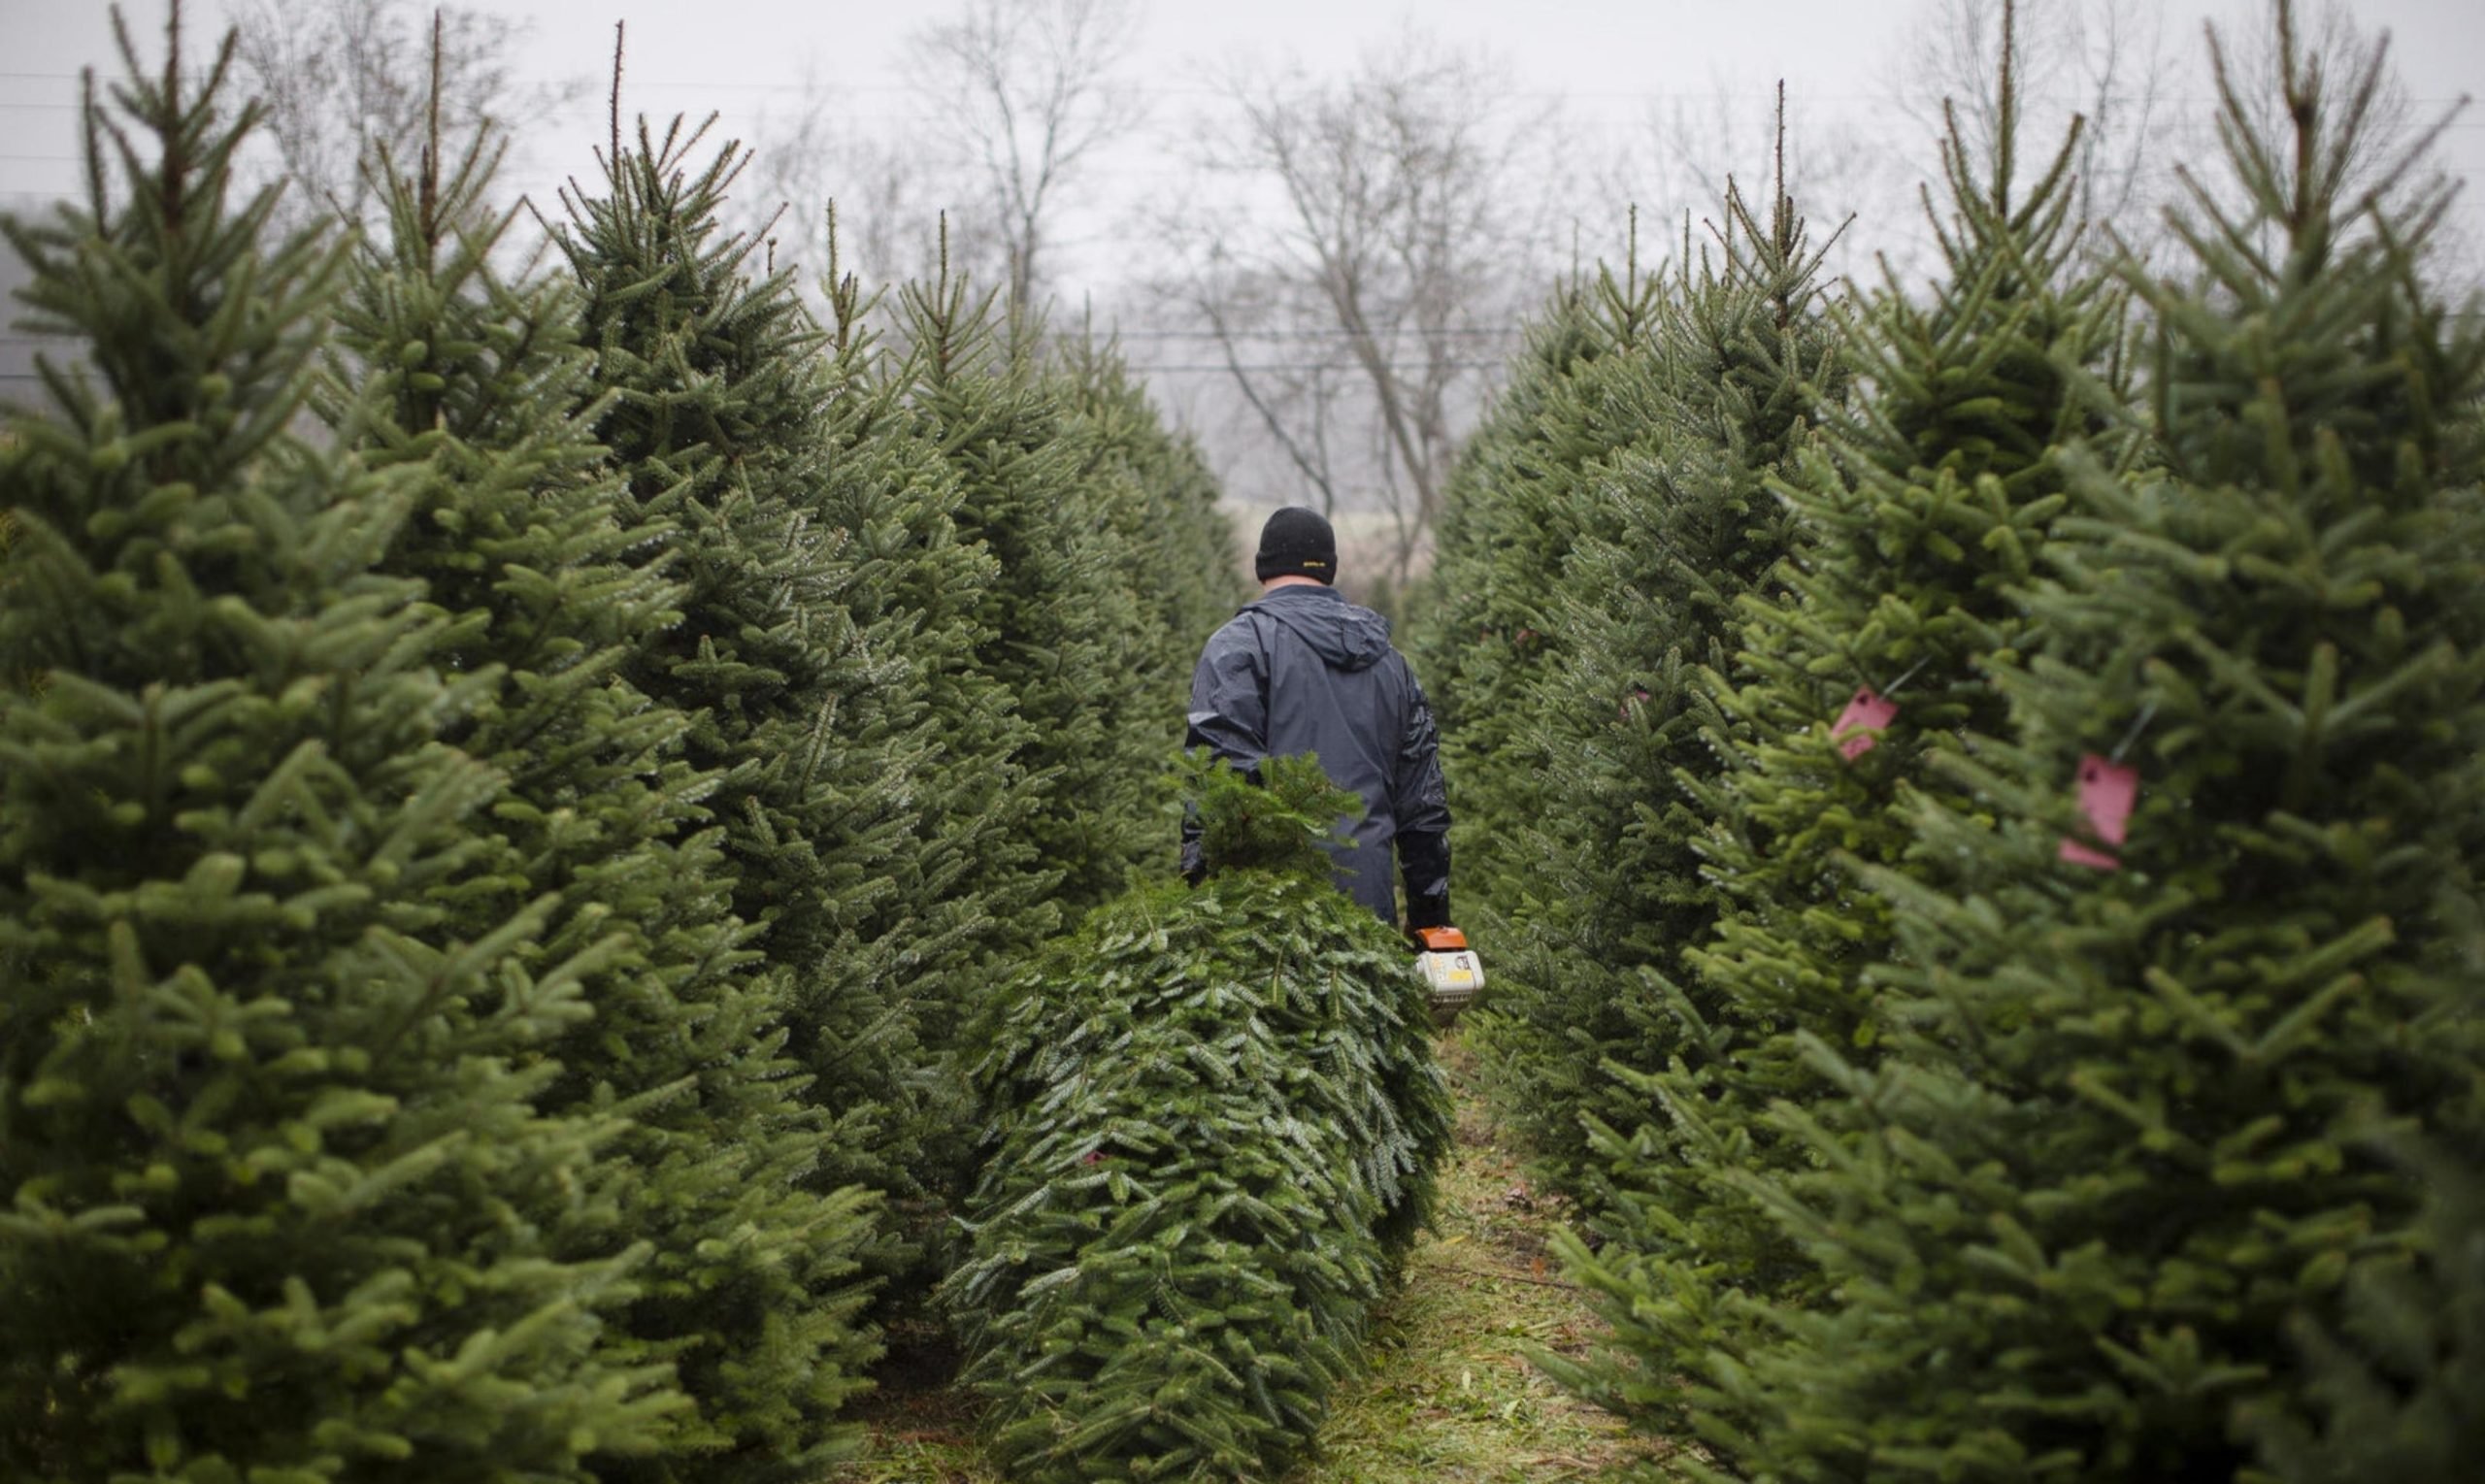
1344 636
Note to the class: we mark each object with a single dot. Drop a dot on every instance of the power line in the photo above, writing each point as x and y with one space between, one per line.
1202 91
1222 369
1445 333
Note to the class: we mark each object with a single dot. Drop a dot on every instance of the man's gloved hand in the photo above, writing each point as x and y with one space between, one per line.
1427 912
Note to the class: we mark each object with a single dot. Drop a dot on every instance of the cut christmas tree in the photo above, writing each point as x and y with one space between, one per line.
1214 1121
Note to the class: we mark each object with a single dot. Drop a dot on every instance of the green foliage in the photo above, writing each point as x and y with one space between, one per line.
1214 1119
1283 824
1505 524
1059 627
1918 509
2112 1139
2399 1386
280 1186
466 1025
522 531
1660 451
811 717
1182 544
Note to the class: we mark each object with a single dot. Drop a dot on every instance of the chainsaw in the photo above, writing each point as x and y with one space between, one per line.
1450 967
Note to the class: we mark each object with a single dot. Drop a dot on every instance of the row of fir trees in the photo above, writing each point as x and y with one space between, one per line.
513 790
1975 791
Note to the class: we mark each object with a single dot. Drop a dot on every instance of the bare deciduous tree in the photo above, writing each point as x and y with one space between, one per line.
886 198
1360 252
1023 94
342 77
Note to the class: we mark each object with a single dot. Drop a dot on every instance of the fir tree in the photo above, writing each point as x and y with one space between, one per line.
950 921
1061 625
521 530
1917 511
277 1178
2131 1046
1483 631
2399 1387
1215 1119
1183 560
811 721
1675 521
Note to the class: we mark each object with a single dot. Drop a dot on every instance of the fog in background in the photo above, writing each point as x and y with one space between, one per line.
1304 219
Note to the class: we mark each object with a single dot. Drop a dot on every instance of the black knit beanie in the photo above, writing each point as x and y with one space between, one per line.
1297 541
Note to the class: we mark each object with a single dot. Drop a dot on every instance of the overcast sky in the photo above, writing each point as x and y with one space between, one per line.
1611 64
1610 67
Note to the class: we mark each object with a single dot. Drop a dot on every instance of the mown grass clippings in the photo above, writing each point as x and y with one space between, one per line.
1450 1397
920 1423
922 1432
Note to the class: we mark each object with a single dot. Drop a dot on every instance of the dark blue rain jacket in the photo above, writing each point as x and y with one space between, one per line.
1302 669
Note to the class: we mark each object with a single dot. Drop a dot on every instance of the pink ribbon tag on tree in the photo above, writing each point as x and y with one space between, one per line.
2107 790
1865 716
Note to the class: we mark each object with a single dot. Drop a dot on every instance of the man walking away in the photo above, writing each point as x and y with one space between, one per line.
1302 669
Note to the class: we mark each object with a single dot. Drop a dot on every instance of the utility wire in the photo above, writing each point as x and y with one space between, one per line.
1201 90
1274 366
1451 332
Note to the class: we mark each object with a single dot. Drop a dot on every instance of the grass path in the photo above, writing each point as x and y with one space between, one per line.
1449 1397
